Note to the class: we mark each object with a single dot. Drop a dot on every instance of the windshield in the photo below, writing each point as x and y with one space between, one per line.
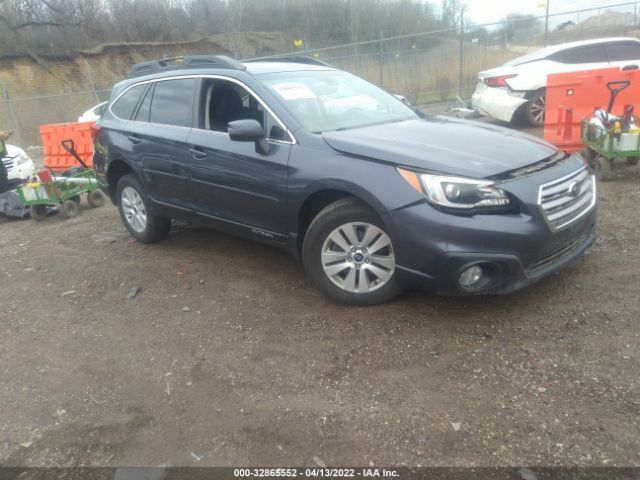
332 100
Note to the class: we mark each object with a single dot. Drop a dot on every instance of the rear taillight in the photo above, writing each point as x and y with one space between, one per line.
95 130
498 81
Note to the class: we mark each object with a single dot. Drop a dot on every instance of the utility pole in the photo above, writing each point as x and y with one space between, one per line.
635 14
461 72
546 23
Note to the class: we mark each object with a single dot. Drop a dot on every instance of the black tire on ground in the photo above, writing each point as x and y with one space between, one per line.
604 168
589 155
95 198
69 209
632 161
533 110
4 181
38 212
155 227
332 217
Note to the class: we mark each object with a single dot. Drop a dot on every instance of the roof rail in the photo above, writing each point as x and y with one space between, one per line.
181 63
292 59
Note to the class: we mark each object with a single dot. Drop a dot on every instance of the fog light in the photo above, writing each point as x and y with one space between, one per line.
471 278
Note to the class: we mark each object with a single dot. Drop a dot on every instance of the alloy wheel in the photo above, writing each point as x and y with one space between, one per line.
358 257
537 109
134 209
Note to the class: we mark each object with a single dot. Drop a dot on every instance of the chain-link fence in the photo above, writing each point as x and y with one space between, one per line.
425 67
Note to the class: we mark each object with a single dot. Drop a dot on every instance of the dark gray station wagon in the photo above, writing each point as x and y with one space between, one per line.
371 195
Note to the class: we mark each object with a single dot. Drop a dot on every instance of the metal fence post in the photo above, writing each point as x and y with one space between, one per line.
12 114
546 23
380 59
91 84
461 71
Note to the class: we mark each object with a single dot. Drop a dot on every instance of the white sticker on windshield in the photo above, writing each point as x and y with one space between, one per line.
293 91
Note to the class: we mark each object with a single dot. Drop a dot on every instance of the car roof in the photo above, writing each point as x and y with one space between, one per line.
545 52
253 67
259 68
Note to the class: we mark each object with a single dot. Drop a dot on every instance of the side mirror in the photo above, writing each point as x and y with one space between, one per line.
249 130
245 130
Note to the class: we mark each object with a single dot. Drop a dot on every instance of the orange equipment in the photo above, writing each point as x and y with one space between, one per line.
573 96
55 156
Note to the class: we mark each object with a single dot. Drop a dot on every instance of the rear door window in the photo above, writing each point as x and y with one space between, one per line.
172 102
126 104
619 52
577 55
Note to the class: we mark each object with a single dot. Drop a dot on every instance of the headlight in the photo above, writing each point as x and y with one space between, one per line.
459 194
22 159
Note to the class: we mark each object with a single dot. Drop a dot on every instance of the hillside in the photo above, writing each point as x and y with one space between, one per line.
57 89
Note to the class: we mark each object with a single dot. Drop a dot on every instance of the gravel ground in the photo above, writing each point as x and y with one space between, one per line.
227 356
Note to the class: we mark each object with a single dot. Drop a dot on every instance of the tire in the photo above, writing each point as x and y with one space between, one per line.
588 155
77 199
95 199
604 170
4 180
69 209
533 110
322 256
133 206
632 161
38 212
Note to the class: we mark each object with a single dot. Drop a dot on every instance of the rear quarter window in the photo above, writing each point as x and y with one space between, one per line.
126 104
577 55
623 51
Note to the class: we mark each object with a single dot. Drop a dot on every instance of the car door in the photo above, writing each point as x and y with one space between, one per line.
234 181
623 53
158 133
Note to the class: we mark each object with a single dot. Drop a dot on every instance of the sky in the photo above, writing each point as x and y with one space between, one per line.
487 11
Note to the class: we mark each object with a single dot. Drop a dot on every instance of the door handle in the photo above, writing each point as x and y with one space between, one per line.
198 153
134 139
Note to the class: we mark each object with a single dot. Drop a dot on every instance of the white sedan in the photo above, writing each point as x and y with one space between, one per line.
17 163
520 85
94 113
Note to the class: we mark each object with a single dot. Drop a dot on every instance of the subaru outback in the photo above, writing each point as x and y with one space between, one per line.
373 196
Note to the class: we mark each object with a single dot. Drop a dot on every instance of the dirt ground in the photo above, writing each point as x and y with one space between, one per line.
228 356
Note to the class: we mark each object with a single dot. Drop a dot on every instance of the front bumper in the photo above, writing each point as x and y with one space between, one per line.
495 102
433 248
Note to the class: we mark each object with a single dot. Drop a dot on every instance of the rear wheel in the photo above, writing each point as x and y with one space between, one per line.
133 205
69 208
349 256
534 109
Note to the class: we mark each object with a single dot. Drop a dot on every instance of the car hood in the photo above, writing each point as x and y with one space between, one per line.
451 146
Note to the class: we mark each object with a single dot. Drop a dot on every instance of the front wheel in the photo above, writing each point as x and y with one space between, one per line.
534 109
349 256
133 206
38 212
604 168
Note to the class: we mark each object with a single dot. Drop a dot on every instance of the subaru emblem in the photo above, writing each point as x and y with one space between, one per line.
574 189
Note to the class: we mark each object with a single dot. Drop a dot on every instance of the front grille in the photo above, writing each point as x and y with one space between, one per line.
553 255
568 198
8 163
